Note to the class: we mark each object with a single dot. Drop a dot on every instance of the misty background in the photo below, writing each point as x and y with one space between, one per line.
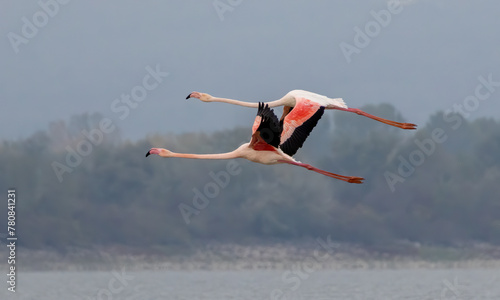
72 74
90 53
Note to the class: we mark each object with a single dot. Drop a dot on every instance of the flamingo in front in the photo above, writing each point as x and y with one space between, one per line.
293 98
273 141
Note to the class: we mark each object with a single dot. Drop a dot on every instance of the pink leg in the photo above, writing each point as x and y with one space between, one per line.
351 179
388 122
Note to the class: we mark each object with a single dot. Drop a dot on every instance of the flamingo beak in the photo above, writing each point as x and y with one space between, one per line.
188 96
153 151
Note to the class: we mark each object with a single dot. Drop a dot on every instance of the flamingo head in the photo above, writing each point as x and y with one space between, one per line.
202 96
159 151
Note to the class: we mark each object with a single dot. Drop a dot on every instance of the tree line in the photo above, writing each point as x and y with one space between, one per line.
78 187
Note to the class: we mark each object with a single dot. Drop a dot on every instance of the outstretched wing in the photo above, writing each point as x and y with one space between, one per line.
266 126
298 123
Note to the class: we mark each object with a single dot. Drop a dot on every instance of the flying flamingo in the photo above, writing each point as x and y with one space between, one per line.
273 141
293 98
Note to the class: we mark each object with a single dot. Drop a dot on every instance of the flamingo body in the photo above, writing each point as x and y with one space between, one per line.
293 98
319 99
265 146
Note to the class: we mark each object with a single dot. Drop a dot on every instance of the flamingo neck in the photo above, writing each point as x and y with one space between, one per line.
228 155
235 102
280 102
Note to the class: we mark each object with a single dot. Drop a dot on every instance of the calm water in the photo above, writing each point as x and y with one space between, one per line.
294 284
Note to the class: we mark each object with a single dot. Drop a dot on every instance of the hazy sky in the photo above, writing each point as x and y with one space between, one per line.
59 59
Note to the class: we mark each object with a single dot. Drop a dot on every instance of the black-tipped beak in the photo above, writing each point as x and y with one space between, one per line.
188 96
147 154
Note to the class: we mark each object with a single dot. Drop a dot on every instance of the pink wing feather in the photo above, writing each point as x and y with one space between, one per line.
299 123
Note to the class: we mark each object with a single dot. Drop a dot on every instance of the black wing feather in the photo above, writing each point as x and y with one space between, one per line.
269 128
300 134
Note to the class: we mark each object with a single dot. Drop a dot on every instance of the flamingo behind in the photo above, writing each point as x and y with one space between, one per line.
293 98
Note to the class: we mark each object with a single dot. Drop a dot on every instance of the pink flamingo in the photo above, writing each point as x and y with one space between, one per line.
273 141
293 98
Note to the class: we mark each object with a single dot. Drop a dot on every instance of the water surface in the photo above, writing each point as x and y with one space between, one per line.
257 284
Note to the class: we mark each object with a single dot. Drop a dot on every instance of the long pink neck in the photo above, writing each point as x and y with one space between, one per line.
228 155
275 103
